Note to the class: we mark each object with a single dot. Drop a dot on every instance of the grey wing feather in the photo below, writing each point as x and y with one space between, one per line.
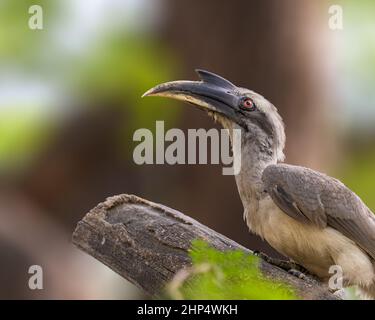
312 197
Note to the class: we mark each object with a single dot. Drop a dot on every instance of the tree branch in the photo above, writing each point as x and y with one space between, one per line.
147 243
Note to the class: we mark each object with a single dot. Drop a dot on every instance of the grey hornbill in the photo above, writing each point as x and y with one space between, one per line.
313 219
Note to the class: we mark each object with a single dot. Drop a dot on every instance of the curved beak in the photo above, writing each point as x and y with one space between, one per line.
213 93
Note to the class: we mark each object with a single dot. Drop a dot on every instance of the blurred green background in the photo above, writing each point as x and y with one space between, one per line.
70 102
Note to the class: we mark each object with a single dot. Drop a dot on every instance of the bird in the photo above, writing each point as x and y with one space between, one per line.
307 216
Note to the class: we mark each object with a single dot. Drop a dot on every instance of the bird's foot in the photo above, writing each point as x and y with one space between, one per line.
298 274
286 265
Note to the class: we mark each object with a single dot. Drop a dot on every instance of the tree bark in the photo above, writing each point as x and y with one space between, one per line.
148 243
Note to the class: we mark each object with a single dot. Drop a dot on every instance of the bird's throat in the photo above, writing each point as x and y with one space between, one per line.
257 151
255 157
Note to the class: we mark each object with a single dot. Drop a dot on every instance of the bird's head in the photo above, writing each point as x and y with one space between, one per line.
232 106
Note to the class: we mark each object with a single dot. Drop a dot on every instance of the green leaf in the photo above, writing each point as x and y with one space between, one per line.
228 275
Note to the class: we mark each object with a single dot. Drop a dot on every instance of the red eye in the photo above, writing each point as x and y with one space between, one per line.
248 104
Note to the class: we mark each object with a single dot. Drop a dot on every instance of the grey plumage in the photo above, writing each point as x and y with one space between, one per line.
307 216
312 197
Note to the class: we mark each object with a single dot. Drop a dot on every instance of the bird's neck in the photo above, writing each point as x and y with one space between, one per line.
257 151
256 155
249 182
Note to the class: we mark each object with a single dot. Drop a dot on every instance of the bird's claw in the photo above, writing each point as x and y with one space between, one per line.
298 274
287 265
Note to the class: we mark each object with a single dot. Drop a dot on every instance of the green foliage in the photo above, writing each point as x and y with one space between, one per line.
18 43
22 134
121 69
227 275
359 28
359 175
113 69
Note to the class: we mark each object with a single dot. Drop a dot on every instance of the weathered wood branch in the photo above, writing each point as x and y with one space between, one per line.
147 243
